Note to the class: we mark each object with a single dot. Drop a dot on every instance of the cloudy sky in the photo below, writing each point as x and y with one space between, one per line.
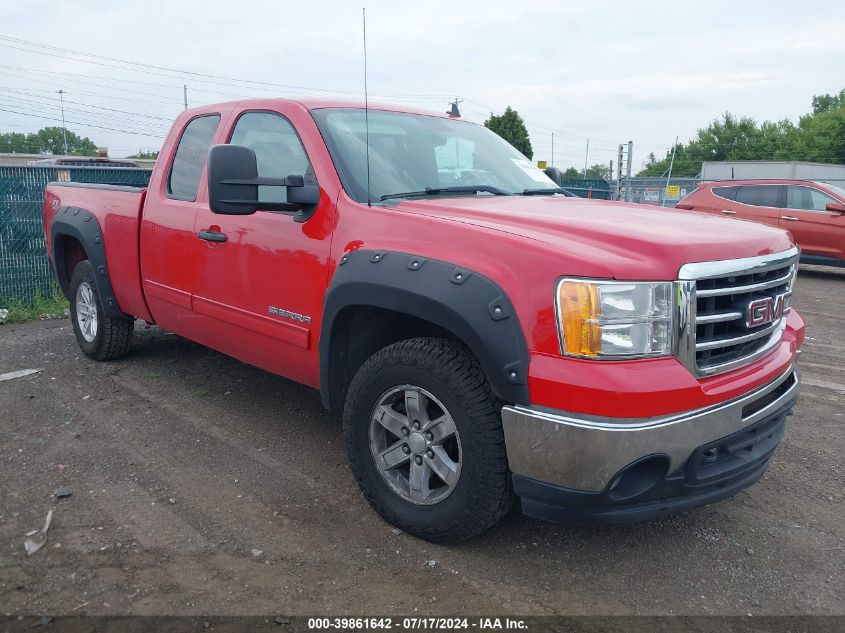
608 71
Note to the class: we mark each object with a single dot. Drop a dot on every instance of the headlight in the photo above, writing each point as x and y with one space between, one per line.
615 320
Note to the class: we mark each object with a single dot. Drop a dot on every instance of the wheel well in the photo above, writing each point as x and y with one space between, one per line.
361 331
68 252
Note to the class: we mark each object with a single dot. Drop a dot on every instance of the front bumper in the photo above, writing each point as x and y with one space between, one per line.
568 465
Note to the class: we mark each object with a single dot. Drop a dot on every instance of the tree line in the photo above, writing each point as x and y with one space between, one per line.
51 140
819 136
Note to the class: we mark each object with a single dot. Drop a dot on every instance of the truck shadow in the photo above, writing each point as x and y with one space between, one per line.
292 413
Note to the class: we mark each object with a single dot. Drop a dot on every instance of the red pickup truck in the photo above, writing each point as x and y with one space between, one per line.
484 337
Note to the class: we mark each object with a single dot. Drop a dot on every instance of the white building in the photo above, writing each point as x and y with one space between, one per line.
780 169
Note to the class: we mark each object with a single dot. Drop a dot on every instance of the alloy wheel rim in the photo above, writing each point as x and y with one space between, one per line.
415 445
86 312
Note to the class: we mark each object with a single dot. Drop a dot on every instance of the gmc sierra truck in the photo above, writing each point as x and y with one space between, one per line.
484 336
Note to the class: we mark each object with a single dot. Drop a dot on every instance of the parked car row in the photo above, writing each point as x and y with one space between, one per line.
814 212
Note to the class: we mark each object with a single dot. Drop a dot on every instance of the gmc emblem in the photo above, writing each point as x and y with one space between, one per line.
763 311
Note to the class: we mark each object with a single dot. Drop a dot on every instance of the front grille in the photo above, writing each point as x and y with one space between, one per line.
721 303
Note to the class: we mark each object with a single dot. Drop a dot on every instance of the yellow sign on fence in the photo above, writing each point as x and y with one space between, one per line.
673 191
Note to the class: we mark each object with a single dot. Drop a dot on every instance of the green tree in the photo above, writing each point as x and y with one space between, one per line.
599 171
48 140
51 140
511 127
145 155
14 143
571 174
826 103
819 136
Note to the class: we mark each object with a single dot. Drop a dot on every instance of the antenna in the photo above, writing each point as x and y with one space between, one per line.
366 108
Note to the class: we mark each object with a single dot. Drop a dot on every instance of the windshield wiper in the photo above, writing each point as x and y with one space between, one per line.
457 189
548 191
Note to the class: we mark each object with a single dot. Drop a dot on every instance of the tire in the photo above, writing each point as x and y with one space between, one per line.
444 375
99 336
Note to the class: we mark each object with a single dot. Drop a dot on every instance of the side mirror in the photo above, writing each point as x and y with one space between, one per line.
233 183
836 207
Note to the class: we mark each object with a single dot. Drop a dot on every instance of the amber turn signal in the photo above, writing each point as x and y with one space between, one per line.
579 309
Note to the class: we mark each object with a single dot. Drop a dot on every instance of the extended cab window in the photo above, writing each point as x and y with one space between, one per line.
759 195
806 198
184 178
277 149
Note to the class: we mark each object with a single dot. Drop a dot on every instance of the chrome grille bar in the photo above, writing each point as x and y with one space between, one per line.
712 301
733 290
737 340
719 317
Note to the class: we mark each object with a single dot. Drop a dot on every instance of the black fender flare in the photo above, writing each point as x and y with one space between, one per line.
467 304
81 224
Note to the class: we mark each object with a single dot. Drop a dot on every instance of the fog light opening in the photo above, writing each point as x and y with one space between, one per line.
638 478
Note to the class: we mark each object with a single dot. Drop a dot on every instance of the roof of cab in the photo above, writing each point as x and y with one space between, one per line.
321 103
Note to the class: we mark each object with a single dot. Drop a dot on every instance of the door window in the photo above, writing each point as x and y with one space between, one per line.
807 198
759 195
277 149
184 178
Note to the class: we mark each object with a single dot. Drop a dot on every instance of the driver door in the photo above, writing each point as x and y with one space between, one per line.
263 275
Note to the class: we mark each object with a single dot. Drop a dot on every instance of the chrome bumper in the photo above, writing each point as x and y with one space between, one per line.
584 453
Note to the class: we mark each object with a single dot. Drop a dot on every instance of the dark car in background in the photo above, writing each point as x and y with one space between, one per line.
814 212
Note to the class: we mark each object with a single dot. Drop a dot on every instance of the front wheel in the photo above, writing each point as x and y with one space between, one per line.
424 438
101 337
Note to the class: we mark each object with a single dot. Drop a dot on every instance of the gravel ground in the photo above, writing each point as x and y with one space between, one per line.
205 486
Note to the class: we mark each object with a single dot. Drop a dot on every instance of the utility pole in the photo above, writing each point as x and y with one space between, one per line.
672 162
64 129
185 94
553 149
586 158
618 175
610 171
628 176
668 174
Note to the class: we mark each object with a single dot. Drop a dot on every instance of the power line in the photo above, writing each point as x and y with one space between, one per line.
111 129
33 47
87 105
110 118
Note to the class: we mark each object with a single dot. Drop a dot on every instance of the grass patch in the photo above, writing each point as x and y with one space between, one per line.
49 306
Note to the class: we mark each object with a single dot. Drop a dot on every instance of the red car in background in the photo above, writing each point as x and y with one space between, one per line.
814 212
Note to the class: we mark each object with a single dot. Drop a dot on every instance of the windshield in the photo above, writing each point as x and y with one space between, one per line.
415 152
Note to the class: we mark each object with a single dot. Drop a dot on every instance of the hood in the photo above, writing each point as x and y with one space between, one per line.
631 241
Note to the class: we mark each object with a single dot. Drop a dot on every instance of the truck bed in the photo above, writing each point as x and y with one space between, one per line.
117 209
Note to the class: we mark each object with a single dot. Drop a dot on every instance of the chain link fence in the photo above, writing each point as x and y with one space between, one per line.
656 191
24 270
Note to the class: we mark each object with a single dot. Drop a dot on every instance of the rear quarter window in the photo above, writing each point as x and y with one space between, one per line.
184 178
728 193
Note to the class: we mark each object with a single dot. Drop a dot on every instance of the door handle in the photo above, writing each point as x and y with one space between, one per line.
212 236
728 211
788 217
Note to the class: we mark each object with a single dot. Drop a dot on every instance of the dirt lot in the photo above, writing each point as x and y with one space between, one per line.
205 486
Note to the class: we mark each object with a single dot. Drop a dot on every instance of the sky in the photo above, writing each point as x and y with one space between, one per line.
605 71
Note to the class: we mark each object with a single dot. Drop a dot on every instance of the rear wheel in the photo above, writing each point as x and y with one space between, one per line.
101 337
425 440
